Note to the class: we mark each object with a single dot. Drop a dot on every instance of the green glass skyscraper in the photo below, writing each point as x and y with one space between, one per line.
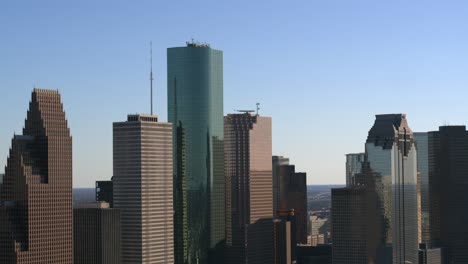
195 108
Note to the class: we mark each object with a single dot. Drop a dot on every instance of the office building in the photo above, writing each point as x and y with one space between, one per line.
291 193
284 229
319 228
96 234
391 169
349 225
142 186
36 193
104 192
448 184
421 139
276 162
249 190
195 108
353 167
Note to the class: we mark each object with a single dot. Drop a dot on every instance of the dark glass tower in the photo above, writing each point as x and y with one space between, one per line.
36 194
195 108
448 185
350 225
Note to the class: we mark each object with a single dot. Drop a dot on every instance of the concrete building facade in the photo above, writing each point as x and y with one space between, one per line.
142 186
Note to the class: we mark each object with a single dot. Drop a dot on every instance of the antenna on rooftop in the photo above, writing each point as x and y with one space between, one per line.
258 107
151 75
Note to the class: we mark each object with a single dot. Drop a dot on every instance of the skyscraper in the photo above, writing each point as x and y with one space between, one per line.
350 225
291 193
391 169
143 188
195 108
448 185
284 228
249 190
97 234
353 167
277 161
36 193
422 145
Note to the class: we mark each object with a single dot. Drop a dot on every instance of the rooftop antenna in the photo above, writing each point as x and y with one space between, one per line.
151 75
258 107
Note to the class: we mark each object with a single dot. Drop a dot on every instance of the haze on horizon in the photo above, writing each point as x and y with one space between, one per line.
320 69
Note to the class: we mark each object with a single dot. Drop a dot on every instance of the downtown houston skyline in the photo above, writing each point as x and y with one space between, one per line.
310 64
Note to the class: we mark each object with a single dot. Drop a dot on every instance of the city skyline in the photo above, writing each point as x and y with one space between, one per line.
412 48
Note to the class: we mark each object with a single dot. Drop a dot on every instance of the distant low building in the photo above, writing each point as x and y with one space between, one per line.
318 235
96 234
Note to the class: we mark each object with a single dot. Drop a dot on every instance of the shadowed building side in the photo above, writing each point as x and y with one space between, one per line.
97 234
350 225
448 185
291 193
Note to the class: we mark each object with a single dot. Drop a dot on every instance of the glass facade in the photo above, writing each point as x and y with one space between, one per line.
422 145
195 105
392 160
353 166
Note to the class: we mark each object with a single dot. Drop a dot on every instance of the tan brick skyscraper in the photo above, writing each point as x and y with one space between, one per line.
36 194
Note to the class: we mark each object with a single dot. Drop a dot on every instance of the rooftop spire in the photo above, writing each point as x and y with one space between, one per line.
151 75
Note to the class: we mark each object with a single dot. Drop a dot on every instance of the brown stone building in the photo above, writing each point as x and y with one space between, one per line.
36 194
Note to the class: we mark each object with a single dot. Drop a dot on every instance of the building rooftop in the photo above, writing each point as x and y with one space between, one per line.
99 205
49 91
196 44
142 117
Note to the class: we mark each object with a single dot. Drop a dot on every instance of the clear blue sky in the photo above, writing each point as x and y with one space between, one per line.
321 69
